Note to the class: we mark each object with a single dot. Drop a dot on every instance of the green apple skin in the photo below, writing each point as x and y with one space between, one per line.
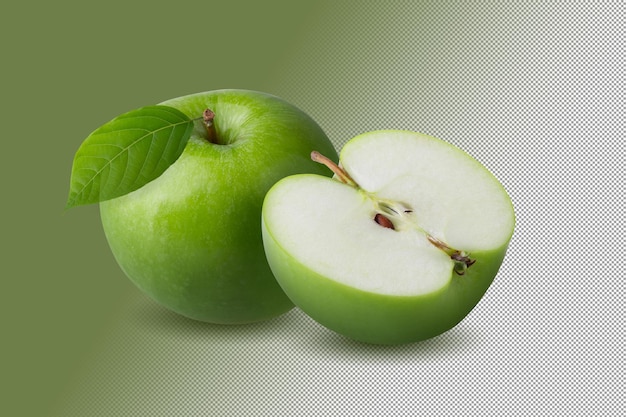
191 239
376 318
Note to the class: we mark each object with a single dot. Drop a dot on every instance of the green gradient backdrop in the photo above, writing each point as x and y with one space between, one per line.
68 67
501 80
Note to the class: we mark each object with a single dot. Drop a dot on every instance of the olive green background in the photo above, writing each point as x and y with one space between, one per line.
521 86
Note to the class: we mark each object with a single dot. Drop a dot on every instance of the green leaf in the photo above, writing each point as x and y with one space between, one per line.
126 153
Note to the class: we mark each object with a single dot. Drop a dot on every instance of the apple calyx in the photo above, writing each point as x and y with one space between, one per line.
396 215
207 117
462 261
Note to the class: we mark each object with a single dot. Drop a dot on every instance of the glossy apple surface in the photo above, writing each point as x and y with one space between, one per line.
397 248
191 239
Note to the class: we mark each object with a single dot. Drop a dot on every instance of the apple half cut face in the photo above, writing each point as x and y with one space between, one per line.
398 246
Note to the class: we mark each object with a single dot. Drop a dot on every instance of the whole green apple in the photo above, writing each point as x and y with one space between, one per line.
191 238
398 247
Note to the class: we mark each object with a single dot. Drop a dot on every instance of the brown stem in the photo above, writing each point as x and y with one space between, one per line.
207 117
336 169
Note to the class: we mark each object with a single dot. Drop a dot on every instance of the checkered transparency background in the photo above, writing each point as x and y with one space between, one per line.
533 91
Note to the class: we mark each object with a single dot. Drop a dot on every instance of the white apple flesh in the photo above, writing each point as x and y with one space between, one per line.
398 247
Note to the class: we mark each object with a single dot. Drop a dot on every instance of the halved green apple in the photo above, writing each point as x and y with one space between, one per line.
398 246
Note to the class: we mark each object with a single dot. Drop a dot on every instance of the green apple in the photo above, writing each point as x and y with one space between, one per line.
191 239
398 247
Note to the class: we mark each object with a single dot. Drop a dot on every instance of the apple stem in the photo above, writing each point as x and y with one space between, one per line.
207 116
336 169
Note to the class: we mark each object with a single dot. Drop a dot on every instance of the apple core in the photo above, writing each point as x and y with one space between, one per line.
399 212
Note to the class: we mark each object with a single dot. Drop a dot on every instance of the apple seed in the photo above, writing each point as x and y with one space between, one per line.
383 221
